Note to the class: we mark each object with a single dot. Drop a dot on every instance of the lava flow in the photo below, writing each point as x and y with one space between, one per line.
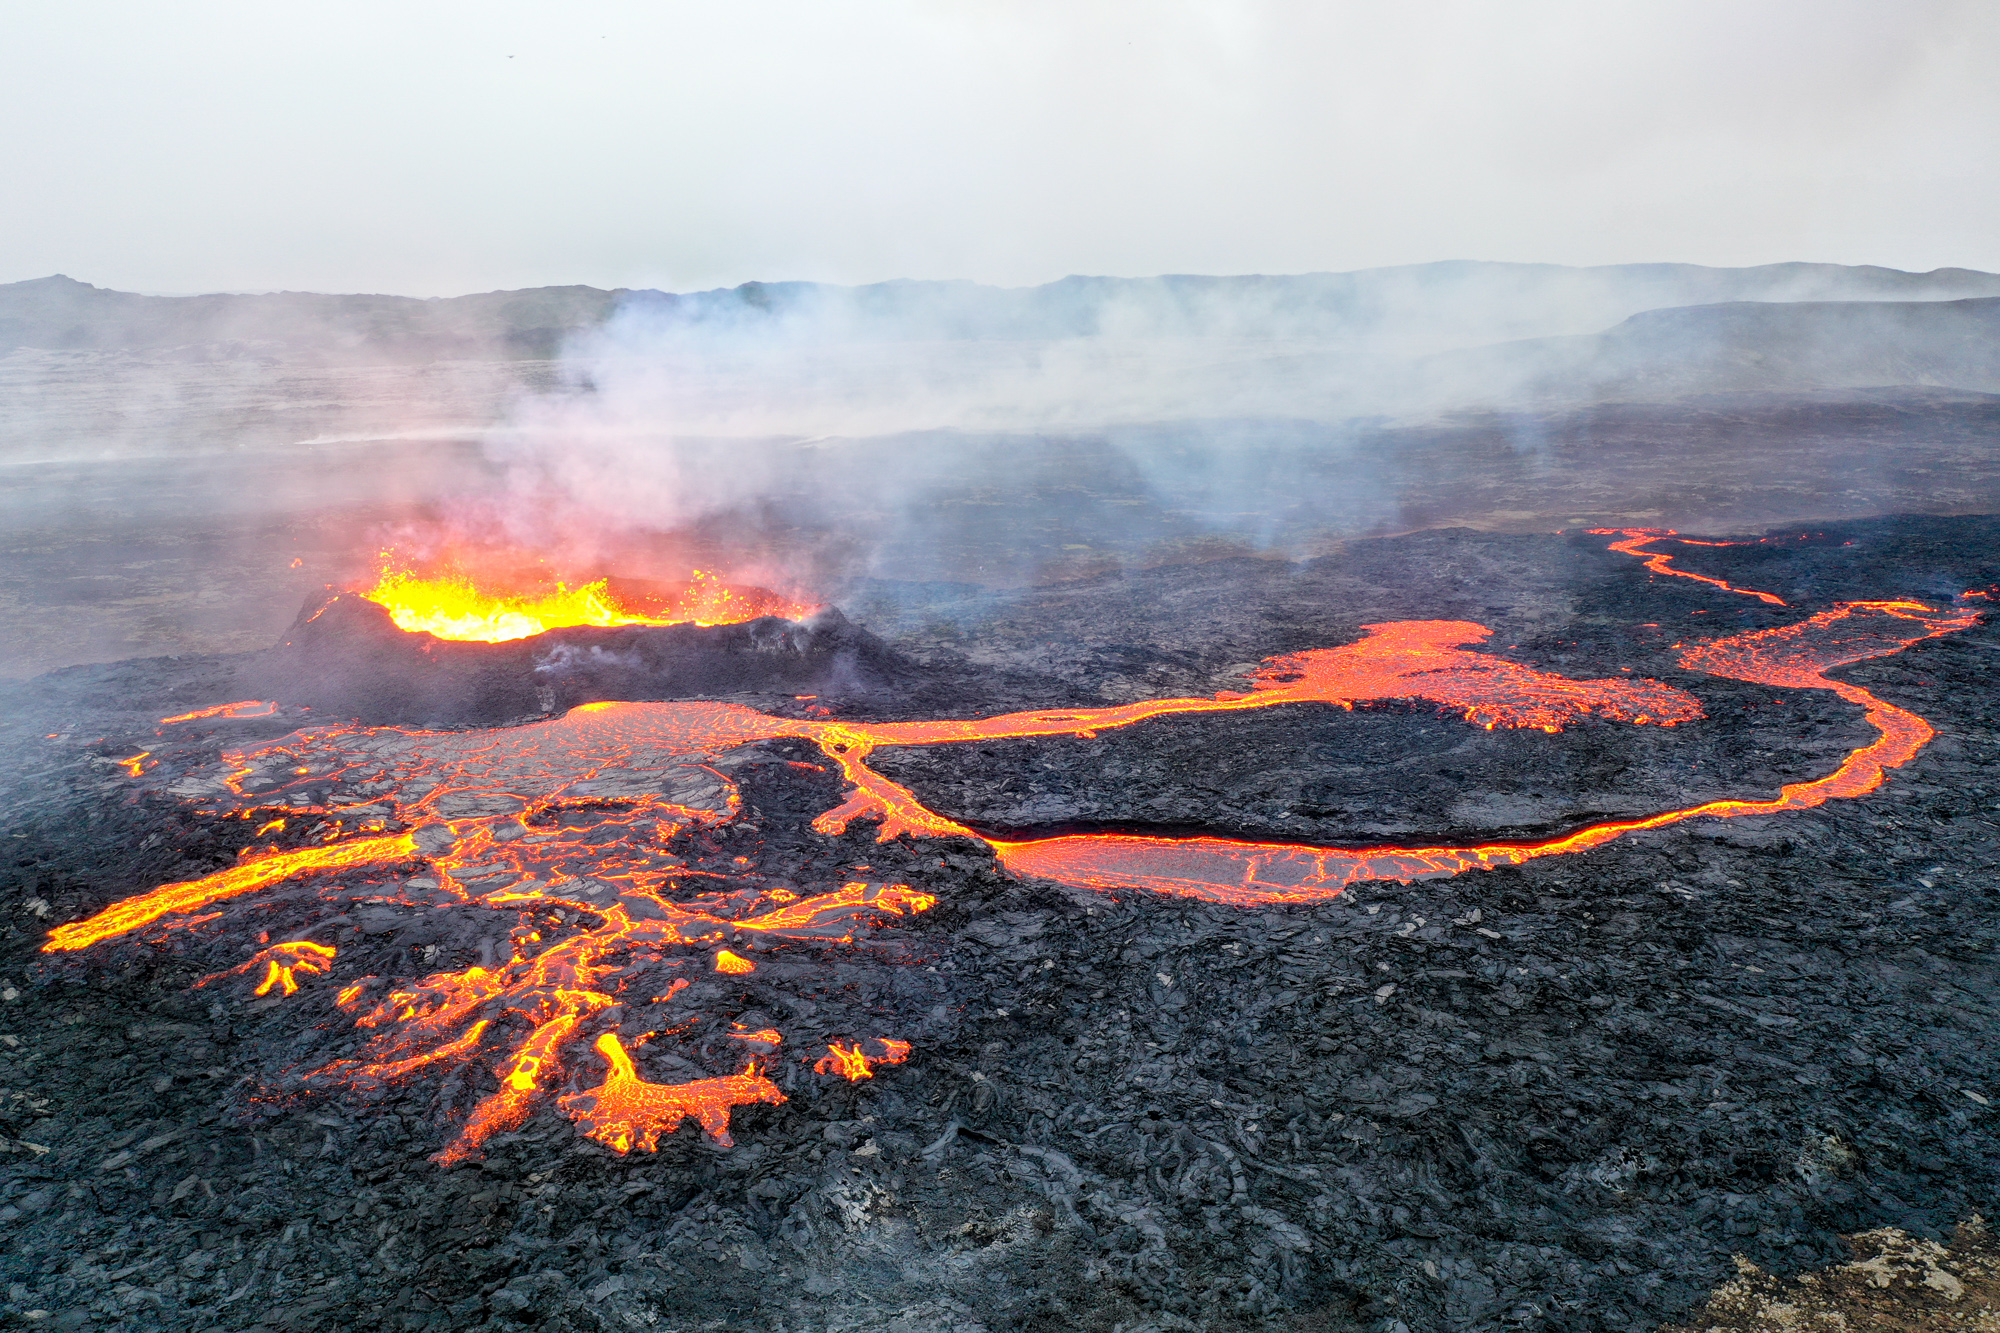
243 708
563 826
1630 540
453 607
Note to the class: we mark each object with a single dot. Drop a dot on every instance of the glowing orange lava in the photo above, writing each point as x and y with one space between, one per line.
626 1112
282 965
149 907
486 811
1632 539
242 708
1248 873
453 607
852 1063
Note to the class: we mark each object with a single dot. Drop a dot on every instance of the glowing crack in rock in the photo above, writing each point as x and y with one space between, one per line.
565 824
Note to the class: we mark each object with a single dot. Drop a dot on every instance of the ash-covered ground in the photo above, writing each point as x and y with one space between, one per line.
1558 1096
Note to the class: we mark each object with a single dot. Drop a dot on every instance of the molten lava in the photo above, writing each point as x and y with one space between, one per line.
563 826
734 964
626 1112
453 607
1632 539
854 1064
244 708
282 965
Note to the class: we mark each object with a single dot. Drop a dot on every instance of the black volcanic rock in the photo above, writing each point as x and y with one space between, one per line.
344 656
1552 1098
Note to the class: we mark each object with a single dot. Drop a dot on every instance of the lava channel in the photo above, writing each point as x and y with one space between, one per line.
563 825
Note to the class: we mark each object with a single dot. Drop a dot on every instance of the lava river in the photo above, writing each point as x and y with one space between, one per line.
564 824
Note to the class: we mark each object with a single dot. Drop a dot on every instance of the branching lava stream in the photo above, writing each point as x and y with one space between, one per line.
563 824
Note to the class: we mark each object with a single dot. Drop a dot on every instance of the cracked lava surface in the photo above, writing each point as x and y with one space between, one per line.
564 823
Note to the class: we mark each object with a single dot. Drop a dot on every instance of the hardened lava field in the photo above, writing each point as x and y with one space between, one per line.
1457 930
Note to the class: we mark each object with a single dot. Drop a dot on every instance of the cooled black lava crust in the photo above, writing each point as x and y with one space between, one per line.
1558 1096
1317 774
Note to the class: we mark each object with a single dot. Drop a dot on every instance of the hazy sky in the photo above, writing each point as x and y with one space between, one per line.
435 148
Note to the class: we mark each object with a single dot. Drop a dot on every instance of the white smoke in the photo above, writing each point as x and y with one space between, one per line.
1184 406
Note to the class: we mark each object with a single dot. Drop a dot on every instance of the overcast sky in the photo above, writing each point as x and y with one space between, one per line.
436 148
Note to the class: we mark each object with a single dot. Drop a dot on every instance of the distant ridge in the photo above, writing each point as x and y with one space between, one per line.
1417 309
61 314
1735 347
